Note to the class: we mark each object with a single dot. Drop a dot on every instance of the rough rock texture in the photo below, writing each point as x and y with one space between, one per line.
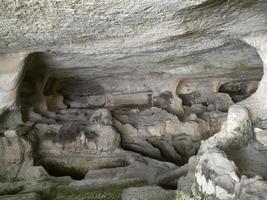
158 134
11 70
95 38
12 163
229 154
236 151
29 196
148 193
100 96
143 35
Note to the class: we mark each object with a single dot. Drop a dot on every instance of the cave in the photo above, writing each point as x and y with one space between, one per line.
133 100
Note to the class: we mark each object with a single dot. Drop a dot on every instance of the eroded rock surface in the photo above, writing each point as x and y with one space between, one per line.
107 99
149 193
230 157
235 157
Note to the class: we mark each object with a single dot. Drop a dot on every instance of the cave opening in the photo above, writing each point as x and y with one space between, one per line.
81 121
133 99
239 90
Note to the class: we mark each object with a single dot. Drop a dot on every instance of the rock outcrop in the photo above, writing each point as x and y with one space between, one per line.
133 99
236 157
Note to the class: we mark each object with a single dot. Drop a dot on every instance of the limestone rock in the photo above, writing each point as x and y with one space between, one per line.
55 102
102 116
29 196
251 188
10 134
187 182
12 164
76 138
148 193
124 100
190 59
203 92
261 137
11 69
216 175
76 148
239 90
228 153
124 40
170 138
169 180
10 120
137 169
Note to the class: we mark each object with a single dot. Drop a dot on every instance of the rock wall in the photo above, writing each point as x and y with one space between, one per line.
100 96
234 159
11 72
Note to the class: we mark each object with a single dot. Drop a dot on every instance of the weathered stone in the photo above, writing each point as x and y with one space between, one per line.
170 138
186 183
55 102
148 193
137 169
239 90
251 188
169 180
222 102
102 116
11 69
76 138
134 54
88 102
10 120
198 109
76 148
29 196
261 137
216 175
12 164
128 100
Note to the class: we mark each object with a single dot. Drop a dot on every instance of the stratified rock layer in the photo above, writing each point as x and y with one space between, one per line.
100 96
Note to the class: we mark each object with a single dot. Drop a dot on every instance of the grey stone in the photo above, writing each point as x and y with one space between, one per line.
125 54
148 193
251 188
29 196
